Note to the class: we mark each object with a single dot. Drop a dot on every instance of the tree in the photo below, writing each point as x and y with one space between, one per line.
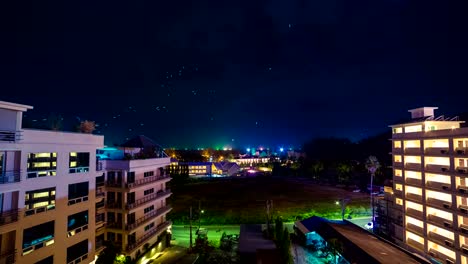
344 170
278 230
285 248
87 126
316 169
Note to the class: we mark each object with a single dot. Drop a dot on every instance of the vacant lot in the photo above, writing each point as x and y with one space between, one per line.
242 200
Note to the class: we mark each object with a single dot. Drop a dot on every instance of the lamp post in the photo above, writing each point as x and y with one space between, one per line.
372 164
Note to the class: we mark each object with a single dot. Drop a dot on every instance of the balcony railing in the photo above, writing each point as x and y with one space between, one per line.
461 151
148 198
79 259
10 136
100 205
149 234
415 244
413 196
414 212
438 185
413 166
439 203
416 229
437 168
113 205
99 166
8 256
40 243
441 256
463 228
147 217
79 169
413 181
441 239
42 173
77 230
463 208
462 170
8 217
10 176
146 180
99 245
115 225
413 151
437 151
38 210
78 200
114 184
439 221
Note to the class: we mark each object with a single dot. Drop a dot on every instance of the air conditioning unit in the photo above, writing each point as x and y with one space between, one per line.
462 171
443 151
464 249
448 243
433 254
447 206
460 152
461 190
464 210
447 224
443 169
445 187
449 261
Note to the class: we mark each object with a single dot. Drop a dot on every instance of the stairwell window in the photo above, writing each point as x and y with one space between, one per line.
149 209
148 174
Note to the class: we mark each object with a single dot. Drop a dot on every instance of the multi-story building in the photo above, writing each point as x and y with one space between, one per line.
430 185
135 205
47 195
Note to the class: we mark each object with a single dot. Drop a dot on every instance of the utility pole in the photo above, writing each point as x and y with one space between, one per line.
269 205
199 213
190 249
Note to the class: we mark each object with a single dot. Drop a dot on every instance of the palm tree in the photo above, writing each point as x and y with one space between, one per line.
372 165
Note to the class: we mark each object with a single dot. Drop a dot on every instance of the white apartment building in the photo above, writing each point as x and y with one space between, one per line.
47 195
136 193
430 185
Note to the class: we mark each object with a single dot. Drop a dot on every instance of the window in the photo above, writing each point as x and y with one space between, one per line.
77 222
131 198
149 209
131 177
78 252
399 201
397 144
39 201
38 236
148 227
78 192
149 191
48 260
42 164
79 162
148 174
397 130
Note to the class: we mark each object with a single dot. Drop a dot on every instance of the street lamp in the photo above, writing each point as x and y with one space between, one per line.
372 164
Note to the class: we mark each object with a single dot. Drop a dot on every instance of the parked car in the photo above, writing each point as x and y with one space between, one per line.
369 226
357 190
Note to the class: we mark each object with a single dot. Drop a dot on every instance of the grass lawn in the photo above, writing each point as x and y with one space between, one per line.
242 200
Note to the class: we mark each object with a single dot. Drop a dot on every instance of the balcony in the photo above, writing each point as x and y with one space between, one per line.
8 217
461 151
99 245
415 229
439 221
441 239
397 164
436 151
151 215
415 213
436 254
100 205
146 180
8 256
148 198
114 184
415 244
149 234
413 151
114 225
463 229
114 205
439 203
99 165
414 197
438 185
38 210
413 181
100 193
43 242
10 176
437 168
462 189
79 259
462 170
10 136
463 208
413 166
78 200
77 230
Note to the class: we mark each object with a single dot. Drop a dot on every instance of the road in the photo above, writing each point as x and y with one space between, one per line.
181 234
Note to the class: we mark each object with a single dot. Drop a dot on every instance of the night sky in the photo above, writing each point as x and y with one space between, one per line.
239 73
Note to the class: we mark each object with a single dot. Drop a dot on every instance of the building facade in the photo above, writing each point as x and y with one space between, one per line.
430 185
47 193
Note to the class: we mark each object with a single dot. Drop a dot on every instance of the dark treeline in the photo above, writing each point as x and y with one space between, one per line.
340 161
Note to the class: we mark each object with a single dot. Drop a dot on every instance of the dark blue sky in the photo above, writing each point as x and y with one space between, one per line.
260 72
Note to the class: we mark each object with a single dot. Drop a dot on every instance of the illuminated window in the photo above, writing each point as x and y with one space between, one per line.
397 158
413 159
439 196
397 144
439 213
414 221
437 161
414 190
79 162
398 173
436 143
414 237
398 187
440 231
397 130
412 144
441 249
437 178
412 129
399 201
41 164
414 206
413 174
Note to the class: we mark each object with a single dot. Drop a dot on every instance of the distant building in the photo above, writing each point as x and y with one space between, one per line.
251 160
208 168
430 186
